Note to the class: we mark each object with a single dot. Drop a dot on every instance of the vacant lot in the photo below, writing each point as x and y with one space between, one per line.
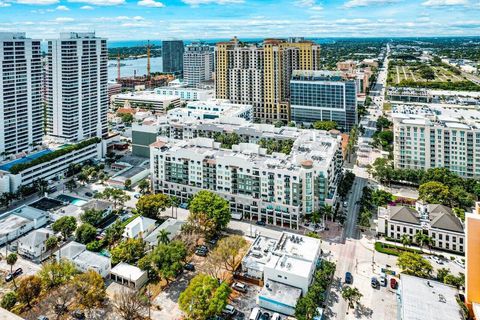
398 73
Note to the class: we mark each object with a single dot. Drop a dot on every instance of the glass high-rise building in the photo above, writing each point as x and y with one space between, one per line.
172 56
323 96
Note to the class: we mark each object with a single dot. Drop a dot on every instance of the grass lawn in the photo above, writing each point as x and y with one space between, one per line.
394 250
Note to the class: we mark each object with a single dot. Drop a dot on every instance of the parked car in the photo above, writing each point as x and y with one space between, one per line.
213 241
437 259
348 278
393 283
260 223
189 266
345 203
9 277
137 195
265 316
275 316
88 194
78 315
201 253
383 281
18 272
183 205
374 282
42 318
255 314
241 287
229 310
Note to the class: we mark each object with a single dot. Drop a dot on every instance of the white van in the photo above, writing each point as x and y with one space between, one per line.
255 314
275 316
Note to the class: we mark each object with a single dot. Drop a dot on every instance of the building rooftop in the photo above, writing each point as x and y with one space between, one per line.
173 227
97 204
127 271
35 237
259 253
423 299
145 96
139 224
15 219
280 293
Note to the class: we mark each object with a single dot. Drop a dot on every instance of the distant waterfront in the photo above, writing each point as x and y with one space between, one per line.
129 66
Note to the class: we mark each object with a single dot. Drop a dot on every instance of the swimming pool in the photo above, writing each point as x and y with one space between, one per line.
26 159
75 201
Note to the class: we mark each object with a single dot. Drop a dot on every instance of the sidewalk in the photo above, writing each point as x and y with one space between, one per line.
426 251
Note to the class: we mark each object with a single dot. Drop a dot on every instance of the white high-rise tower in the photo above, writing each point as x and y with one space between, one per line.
197 63
21 112
77 94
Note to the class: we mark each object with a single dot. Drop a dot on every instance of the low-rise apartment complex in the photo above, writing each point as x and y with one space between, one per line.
434 220
261 184
437 137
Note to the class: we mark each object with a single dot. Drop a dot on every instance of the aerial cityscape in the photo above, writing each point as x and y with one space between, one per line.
239 159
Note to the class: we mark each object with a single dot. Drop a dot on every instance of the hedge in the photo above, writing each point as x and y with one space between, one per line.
394 250
15 169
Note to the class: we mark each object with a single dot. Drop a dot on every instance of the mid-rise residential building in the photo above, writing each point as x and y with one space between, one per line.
197 64
472 260
186 93
77 87
285 265
437 137
323 96
147 100
260 74
435 220
260 184
21 105
172 56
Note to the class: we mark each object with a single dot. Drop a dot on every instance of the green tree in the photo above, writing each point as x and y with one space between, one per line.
434 192
70 185
325 125
204 297
128 184
92 216
383 123
460 197
405 240
144 186
29 288
117 196
85 233
163 237
306 308
127 118
381 197
442 273
9 300
11 260
152 205
414 264
209 213
229 250
129 251
90 289
114 232
166 260
56 273
65 225
352 295
51 243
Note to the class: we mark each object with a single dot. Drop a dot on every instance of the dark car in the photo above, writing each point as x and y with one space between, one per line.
189 266
260 223
88 194
348 278
265 316
213 241
202 247
9 277
374 282
78 315
18 272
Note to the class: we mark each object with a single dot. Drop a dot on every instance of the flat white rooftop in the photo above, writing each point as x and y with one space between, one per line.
423 299
145 96
127 271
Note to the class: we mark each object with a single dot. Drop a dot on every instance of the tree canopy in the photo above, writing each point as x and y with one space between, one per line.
152 205
129 251
414 264
92 216
325 125
90 289
166 260
209 213
65 225
85 233
204 297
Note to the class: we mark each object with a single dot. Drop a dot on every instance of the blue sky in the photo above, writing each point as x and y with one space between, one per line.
207 19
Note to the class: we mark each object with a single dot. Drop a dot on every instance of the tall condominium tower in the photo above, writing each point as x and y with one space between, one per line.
325 96
172 56
260 74
197 63
21 111
77 93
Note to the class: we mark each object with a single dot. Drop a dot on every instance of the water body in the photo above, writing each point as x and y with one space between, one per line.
130 66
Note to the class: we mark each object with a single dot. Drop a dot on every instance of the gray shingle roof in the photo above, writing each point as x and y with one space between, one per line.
404 214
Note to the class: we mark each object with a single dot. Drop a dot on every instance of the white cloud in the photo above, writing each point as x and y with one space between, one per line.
100 2
195 3
4 4
150 3
305 3
37 2
365 3
63 8
86 8
444 3
64 19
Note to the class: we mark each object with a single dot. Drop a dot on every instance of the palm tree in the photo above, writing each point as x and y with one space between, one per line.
11 260
352 295
405 240
162 237
419 239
